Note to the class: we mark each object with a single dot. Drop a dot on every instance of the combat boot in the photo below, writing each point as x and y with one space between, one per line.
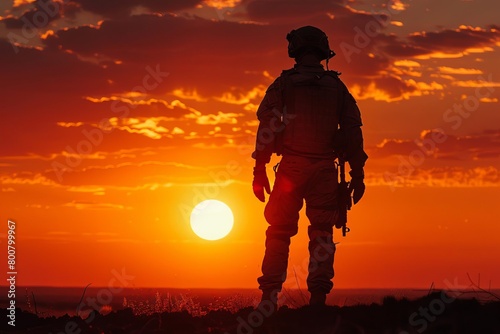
317 299
269 302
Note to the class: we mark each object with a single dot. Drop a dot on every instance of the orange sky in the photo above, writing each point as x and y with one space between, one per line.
117 121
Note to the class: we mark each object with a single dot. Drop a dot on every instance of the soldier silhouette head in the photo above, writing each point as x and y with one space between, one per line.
308 39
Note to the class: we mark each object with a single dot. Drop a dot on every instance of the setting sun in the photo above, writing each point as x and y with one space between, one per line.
212 220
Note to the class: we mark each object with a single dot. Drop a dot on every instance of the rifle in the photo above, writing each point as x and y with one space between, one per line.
344 198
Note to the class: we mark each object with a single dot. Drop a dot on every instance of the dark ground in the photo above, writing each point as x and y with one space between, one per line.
435 313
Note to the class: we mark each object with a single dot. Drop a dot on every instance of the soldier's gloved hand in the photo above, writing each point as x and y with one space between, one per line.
357 188
260 182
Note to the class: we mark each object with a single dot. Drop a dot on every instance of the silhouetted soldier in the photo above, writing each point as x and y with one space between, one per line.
301 118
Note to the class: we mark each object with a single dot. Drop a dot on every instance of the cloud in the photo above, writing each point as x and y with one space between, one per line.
488 100
143 172
436 144
391 89
406 63
121 241
219 118
188 95
447 43
257 93
95 206
475 83
96 190
154 107
190 49
42 14
399 5
148 127
120 48
31 69
177 131
266 10
69 124
27 179
460 70
488 176
220 4
117 8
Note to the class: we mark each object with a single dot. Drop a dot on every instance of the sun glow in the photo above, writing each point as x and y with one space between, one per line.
212 220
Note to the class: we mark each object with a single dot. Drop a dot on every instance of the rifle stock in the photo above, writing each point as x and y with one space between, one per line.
344 199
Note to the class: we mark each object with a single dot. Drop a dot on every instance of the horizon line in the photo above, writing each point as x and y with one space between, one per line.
236 288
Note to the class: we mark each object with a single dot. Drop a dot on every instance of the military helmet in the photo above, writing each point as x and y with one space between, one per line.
308 38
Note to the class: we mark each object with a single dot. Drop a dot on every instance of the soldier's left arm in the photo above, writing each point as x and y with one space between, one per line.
350 125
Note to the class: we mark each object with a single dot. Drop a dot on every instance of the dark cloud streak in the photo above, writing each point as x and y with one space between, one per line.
121 8
484 145
445 41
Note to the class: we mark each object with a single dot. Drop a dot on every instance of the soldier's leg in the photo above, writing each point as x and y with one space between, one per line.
321 197
282 214
321 256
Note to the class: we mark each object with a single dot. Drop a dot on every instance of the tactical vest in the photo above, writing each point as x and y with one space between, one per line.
311 107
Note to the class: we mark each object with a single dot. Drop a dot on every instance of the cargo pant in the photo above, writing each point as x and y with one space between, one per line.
314 181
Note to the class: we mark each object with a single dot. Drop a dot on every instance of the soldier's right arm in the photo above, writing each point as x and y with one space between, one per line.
268 118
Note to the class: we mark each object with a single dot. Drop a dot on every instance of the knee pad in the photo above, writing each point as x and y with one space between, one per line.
320 230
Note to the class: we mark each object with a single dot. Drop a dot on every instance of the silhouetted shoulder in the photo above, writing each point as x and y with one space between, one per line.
278 83
336 75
